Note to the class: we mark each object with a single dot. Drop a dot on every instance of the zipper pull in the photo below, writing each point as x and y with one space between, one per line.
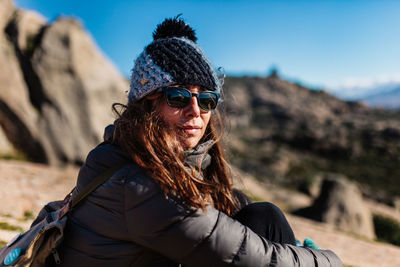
56 256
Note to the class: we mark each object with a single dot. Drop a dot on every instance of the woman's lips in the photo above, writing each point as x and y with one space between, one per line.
191 129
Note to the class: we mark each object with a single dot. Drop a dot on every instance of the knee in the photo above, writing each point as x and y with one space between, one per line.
262 207
260 210
267 220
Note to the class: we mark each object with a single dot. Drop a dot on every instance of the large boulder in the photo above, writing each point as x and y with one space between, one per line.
57 89
78 86
17 117
340 204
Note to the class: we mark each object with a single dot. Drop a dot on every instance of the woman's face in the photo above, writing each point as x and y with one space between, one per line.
190 122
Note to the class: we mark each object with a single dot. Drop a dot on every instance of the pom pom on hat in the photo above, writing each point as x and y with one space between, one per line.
174 27
172 58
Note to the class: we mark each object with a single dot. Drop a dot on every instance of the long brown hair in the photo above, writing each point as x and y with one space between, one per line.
154 146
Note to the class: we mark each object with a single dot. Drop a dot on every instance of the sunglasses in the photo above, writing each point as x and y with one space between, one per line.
179 97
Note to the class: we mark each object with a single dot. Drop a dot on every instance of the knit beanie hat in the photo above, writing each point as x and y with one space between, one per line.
172 58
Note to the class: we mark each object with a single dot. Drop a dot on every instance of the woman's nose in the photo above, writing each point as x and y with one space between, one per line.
193 109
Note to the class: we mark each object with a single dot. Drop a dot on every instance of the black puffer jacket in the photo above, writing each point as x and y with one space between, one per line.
128 222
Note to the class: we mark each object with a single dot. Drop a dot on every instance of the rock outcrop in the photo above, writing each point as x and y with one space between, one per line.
285 132
56 87
16 115
340 204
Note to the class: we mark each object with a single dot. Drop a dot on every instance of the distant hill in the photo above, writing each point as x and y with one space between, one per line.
384 95
390 99
287 133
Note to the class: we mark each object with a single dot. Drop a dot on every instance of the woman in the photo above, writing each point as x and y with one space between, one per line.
172 202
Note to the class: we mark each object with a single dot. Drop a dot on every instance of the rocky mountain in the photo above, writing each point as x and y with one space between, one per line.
56 87
285 132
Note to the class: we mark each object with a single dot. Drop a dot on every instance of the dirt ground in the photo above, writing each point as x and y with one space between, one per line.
26 187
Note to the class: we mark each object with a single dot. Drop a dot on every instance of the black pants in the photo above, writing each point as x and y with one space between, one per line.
268 221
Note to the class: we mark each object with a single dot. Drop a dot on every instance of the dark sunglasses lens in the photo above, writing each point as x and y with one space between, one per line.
208 101
177 97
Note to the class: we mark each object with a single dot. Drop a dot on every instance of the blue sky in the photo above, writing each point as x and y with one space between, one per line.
323 44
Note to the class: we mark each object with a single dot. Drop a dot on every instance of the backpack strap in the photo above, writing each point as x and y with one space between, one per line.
96 182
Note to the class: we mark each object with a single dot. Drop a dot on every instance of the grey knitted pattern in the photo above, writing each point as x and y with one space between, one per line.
147 77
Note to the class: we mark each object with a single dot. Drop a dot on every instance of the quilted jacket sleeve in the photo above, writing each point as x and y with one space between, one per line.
209 238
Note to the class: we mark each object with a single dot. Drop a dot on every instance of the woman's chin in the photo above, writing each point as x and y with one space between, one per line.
190 142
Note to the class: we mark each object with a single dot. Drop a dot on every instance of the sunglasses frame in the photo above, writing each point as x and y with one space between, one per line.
166 88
